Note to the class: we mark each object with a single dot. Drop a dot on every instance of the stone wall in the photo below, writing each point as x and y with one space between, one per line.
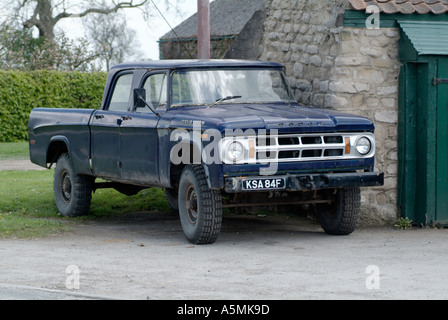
353 70
365 82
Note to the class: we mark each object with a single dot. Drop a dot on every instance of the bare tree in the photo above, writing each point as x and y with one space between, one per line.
19 50
112 40
45 14
23 17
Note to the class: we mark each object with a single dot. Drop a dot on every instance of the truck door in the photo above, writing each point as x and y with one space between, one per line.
105 129
139 137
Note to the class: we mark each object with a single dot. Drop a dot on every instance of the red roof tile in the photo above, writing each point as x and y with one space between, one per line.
403 6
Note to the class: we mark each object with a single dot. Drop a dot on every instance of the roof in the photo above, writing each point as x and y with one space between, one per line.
403 6
178 64
428 38
227 18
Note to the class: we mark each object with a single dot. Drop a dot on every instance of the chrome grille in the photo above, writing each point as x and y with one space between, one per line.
290 148
262 149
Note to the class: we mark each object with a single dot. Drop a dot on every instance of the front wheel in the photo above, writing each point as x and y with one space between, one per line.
341 216
172 198
72 192
200 208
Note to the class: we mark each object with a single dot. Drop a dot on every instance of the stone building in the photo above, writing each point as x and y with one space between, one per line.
383 59
236 30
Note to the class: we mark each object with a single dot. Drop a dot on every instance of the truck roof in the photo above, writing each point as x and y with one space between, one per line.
181 64
184 64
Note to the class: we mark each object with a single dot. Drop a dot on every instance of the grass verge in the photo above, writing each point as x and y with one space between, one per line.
27 207
14 150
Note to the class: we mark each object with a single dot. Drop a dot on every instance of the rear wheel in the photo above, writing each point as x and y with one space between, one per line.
341 216
172 198
72 192
200 208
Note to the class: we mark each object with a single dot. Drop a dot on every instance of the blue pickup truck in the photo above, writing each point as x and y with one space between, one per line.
214 134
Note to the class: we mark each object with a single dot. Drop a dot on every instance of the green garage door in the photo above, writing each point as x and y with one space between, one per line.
423 122
441 82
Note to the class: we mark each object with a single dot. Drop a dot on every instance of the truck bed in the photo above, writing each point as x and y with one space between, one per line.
50 128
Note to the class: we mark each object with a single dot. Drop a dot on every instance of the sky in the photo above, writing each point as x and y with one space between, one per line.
148 32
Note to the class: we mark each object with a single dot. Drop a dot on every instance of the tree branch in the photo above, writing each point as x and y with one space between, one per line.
33 21
118 6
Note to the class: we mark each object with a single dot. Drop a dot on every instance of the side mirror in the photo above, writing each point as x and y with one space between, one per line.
139 98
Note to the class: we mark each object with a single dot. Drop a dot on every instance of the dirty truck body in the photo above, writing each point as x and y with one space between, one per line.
214 134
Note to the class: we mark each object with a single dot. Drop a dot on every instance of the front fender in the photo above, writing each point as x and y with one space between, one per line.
179 148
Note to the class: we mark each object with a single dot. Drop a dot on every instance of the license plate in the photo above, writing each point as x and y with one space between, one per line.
264 184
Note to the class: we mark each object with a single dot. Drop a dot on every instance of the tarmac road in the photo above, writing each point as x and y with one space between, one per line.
145 256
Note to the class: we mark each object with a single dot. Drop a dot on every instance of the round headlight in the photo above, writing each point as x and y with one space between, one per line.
235 151
363 146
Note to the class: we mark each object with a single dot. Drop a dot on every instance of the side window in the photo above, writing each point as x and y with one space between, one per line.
121 93
180 89
156 91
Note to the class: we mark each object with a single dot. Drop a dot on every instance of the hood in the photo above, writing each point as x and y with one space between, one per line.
285 118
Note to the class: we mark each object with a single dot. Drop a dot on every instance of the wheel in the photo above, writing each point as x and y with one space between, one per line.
341 217
172 198
200 208
72 192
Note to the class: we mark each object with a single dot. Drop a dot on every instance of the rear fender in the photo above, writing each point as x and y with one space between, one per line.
58 145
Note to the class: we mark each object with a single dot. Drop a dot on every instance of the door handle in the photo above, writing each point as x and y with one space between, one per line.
123 118
97 117
437 81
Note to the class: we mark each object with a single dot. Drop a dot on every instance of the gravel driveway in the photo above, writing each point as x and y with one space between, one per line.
145 256
18 165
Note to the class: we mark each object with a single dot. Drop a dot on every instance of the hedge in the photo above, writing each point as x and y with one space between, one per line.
20 92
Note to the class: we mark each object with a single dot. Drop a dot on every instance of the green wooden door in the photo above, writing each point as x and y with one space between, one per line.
417 147
423 143
423 121
442 142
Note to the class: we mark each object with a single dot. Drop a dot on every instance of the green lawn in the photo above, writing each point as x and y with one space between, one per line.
27 207
14 150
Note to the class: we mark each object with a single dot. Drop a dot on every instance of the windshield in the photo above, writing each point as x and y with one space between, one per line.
229 86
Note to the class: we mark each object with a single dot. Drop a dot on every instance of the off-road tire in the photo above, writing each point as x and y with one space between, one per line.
72 192
200 208
341 217
172 198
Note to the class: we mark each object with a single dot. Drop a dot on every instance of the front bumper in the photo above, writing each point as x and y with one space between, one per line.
305 182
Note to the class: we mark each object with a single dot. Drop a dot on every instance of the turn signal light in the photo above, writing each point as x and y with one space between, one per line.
347 145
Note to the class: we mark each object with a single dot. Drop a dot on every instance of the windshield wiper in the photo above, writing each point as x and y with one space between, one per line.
224 99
